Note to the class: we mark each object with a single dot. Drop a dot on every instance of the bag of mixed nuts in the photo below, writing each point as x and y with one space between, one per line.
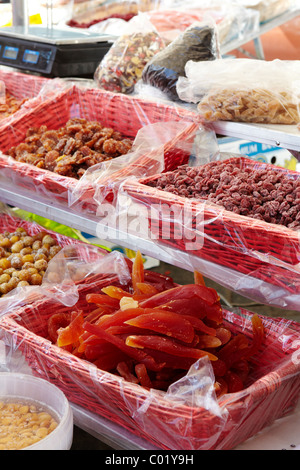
124 63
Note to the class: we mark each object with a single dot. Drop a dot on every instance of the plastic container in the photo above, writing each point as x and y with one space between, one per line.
27 387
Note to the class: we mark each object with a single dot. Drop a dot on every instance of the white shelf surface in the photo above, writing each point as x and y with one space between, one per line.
277 135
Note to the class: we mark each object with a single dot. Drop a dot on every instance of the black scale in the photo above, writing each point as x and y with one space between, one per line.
53 52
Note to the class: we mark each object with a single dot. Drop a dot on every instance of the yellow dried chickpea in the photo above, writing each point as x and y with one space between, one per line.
9 271
14 239
24 275
27 259
17 247
5 263
28 241
41 265
16 262
48 240
5 242
23 283
39 256
36 279
4 289
36 244
26 251
32 270
13 282
2 252
54 250
28 265
4 278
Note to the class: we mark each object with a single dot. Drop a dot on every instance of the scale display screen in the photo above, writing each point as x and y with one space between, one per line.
31 57
10 52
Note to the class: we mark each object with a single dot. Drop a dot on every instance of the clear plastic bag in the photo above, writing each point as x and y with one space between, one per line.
156 147
243 90
124 63
198 42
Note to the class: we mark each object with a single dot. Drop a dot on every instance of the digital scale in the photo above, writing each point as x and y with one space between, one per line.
52 51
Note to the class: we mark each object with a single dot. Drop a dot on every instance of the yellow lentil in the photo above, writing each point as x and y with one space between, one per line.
23 424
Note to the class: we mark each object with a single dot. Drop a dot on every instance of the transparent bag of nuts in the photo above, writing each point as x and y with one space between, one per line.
124 63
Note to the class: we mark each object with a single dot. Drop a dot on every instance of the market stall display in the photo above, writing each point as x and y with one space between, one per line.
166 363
272 386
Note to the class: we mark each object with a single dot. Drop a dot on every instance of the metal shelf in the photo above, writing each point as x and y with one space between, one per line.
278 135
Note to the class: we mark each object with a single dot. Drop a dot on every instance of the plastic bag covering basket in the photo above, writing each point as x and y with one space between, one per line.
265 251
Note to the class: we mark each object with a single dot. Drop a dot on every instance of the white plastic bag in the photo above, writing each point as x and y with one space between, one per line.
244 90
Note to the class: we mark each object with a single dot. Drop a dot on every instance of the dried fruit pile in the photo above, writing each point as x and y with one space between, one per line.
72 149
269 194
152 332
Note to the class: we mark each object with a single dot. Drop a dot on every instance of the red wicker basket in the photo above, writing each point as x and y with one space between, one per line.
252 247
125 114
21 86
273 390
